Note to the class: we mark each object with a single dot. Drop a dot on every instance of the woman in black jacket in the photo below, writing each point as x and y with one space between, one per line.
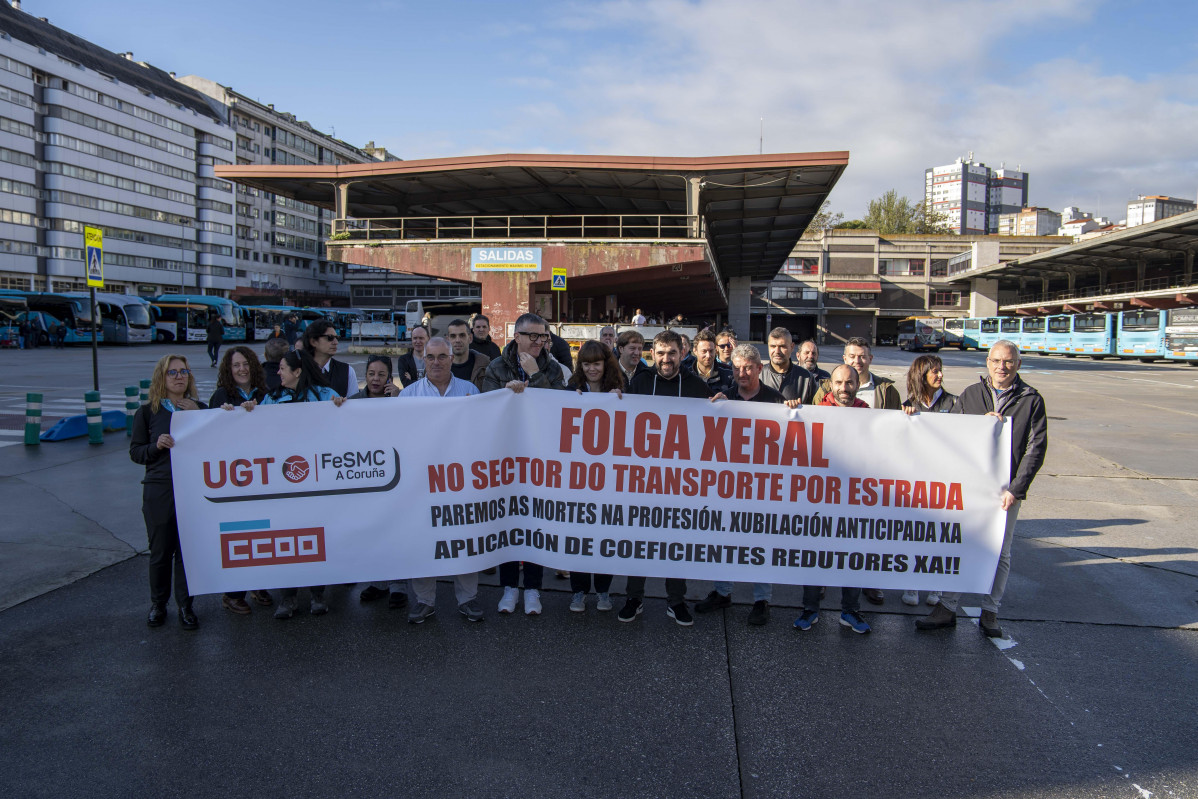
172 390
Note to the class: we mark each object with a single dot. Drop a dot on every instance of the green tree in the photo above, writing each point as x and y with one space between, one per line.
853 224
892 213
823 219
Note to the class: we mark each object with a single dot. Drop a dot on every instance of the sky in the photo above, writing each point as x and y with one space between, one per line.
1096 100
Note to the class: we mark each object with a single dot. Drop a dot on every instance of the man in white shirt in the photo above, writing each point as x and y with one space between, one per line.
638 318
438 381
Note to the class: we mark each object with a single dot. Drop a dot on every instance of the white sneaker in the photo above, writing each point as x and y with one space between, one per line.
933 598
604 602
910 597
579 603
532 601
511 596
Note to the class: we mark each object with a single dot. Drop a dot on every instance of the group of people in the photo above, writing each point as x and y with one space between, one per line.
465 362
32 332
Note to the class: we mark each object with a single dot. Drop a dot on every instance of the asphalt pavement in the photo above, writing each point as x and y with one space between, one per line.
1093 694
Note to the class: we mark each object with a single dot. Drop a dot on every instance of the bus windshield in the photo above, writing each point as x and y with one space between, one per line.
137 314
1141 320
1090 322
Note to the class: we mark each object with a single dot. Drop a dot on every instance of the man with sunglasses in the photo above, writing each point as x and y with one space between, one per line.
524 363
320 341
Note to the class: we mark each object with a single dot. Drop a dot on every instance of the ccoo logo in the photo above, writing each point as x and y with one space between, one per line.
296 469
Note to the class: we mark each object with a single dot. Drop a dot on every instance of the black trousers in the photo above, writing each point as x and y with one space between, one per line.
509 575
581 582
162 530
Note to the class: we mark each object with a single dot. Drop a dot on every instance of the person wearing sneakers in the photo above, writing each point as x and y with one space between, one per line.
843 394
926 394
1002 394
439 381
876 392
747 369
665 379
524 363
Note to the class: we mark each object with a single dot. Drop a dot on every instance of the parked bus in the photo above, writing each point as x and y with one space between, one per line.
988 332
1141 334
1009 328
72 311
971 329
953 328
1181 335
1056 339
261 319
12 307
124 318
1093 334
184 317
919 333
440 312
1032 334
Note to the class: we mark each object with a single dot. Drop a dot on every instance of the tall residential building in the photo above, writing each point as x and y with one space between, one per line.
1151 209
92 137
972 195
281 242
1030 222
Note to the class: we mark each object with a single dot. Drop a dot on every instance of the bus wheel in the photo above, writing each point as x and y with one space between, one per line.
1146 360
1097 357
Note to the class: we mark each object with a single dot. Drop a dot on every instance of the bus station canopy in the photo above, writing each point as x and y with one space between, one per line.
754 208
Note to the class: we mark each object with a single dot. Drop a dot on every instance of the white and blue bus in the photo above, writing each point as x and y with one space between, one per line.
988 332
1093 334
124 318
1032 334
1181 335
1142 335
1056 340
184 317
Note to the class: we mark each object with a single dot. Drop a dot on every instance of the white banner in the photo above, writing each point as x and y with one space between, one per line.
313 494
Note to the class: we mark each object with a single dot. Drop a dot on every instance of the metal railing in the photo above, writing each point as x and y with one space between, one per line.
520 227
1111 289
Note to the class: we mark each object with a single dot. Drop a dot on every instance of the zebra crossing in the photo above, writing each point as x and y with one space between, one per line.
54 408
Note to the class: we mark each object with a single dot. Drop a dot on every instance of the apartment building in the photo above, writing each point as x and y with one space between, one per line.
280 247
1029 222
93 137
1153 208
972 196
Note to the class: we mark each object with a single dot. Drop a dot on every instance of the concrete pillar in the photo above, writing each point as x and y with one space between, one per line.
1044 287
1102 278
1189 275
1072 278
739 301
341 204
1141 269
692 205
983 297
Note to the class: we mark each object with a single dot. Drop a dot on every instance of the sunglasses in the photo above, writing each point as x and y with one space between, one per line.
329 337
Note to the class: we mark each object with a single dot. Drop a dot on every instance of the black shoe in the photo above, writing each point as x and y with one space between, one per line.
760 613
187 618
632 608
988 624
371 593
397 599
874 595
157 616
681 614
713 601
939 619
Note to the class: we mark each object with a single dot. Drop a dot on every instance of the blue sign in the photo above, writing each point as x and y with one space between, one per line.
505 259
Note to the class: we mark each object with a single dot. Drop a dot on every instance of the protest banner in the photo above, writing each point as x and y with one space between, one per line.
313 494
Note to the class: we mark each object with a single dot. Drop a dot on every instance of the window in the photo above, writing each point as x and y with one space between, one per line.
801 266
107 153
901 266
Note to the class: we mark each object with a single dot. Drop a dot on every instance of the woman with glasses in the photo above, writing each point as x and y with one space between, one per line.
300 381
410 366
172 390
239 379
597 371
320 341
926 394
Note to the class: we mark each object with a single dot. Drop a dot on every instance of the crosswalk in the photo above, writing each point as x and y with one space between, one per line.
58 407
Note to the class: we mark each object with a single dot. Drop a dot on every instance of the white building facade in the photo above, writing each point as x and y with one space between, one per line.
972 196
92 137
1143 210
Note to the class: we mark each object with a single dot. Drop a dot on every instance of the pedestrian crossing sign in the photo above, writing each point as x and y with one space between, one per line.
93 240
559 278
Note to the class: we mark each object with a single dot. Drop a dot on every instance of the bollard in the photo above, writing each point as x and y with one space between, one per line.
131 406
95 419
33 420
145 392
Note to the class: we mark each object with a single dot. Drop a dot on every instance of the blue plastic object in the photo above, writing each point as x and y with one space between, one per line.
76 426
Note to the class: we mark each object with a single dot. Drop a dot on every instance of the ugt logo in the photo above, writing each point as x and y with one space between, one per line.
253 543
296 469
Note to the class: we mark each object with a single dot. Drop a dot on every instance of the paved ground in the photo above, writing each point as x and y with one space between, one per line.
1093 696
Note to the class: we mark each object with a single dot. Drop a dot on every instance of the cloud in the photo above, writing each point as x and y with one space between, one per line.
902 86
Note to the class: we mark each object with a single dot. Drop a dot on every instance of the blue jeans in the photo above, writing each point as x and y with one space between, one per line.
761 591
850 598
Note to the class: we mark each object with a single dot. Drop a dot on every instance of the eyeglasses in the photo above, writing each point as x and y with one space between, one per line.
329 337
437 358
178 372
533 338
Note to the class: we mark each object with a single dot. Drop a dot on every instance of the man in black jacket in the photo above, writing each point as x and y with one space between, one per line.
782 374
666 379
482 338
1002 394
